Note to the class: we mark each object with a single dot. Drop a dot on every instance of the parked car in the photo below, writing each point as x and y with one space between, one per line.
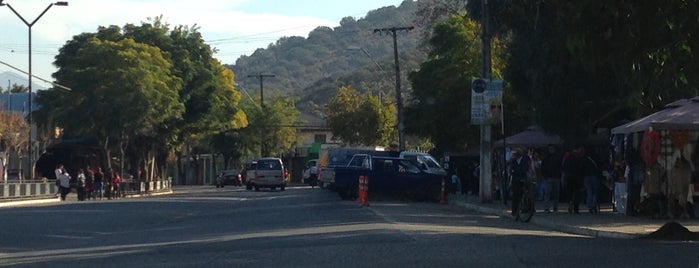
269 173
425 161
391 175
229 177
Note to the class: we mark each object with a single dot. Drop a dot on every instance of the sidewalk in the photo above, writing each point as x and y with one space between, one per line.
607 223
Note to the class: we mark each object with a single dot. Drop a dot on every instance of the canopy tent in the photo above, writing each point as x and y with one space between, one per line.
533 136
682 114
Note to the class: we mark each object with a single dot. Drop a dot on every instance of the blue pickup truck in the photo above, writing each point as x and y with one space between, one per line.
387 175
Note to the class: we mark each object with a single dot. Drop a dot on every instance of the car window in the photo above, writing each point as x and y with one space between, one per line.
268 165
430 162
409 167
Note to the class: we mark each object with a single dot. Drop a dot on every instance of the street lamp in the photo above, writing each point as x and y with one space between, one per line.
29 118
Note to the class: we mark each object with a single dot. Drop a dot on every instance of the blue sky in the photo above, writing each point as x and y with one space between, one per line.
235 27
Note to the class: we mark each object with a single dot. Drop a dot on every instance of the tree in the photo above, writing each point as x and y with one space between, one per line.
361 120
582 65
272 129
440 105
13 137
204 101
208 94
119 88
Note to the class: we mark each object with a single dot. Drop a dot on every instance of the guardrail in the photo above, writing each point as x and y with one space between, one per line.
42 189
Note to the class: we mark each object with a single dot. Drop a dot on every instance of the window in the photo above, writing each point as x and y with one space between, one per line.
320 138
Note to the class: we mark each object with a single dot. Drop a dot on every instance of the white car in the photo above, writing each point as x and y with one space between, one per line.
269 173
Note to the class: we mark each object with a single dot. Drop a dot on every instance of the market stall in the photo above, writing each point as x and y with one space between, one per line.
660 147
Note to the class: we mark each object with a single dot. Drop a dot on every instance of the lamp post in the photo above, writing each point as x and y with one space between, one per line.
29 102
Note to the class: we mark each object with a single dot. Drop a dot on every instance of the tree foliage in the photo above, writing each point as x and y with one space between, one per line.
581 65
271 131
361 120
440 105
146 89
13 134
312 68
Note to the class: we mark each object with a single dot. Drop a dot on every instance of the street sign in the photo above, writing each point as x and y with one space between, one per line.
479 85
486 101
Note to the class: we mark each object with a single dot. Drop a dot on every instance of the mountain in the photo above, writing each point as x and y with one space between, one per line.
8 78
357 53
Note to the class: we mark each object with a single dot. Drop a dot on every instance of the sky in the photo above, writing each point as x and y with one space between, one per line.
234 27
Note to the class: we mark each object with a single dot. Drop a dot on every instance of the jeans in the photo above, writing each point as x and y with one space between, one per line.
592 188
552 188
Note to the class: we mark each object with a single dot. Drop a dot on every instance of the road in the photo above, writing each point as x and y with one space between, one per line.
300 227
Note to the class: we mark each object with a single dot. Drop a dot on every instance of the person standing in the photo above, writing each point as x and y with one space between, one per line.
80 185
456 182
64 184
573 168
99 183
519 166
551 171
57 174
591 178
89 184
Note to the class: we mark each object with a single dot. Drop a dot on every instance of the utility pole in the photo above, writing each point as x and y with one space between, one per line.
486 143
399 98
261 77
262 96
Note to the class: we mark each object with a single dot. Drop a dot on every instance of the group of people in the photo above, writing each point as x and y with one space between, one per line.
576 173
89 185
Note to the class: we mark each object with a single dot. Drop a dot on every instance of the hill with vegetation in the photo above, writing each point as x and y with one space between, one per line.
356 54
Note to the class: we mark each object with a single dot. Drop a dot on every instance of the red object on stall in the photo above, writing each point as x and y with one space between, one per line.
650 146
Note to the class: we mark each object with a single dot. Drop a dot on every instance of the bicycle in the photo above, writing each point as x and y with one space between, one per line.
527 202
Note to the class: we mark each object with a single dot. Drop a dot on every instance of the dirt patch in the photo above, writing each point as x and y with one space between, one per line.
673 231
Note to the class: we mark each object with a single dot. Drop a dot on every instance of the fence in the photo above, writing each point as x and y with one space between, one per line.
43 189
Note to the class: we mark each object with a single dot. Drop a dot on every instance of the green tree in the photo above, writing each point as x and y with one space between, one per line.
119 89
439 108
271 130
208 94
586 64
361 120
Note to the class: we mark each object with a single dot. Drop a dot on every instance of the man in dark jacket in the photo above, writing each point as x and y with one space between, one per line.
573 166
551 171
519 166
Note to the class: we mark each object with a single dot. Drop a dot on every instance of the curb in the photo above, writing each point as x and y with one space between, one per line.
557 226
23 202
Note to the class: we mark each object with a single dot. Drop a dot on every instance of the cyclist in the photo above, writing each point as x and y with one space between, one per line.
519 166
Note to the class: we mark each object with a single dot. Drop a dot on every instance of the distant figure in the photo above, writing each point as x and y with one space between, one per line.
519 166
57 174
456 182
592 174
64 184
80 184
99 183
573 168
551 171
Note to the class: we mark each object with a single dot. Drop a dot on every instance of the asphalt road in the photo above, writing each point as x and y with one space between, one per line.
300 227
